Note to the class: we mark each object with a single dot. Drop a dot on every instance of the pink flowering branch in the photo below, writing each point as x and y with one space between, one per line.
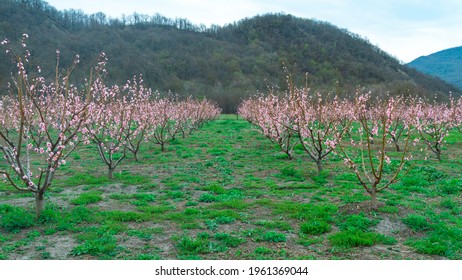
374 157
435 123
273 116
40 121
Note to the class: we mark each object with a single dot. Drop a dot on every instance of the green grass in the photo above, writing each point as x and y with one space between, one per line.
228 240
187 246
417 222
226 192
315 227
354 238
443 241
85 179
95 244
15 218
121 216
273 236
357 222
87 198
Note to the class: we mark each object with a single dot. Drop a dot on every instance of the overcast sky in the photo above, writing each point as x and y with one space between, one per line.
405 29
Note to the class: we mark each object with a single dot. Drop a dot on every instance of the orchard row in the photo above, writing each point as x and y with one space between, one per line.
43 122
376 138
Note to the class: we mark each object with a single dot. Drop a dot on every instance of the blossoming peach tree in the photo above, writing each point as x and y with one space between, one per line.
272 114
40 122
374 164
436 121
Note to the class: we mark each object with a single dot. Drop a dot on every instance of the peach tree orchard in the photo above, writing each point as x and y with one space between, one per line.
42 122
376 139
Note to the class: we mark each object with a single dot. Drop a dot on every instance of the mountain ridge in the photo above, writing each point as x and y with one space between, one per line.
224 64
445 64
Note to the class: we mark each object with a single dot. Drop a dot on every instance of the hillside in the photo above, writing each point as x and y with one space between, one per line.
223 63
446 64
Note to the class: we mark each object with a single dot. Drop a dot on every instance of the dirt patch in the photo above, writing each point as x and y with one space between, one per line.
118 189
25 202
389 252
57 247
389 227
362 207
61 246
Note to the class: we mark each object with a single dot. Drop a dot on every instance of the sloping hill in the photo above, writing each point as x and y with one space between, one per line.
223 63
446 64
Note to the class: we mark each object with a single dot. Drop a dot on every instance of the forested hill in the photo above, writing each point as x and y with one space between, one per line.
446 64
222 63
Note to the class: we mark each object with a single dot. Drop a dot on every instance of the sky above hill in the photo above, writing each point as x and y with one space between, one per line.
406 29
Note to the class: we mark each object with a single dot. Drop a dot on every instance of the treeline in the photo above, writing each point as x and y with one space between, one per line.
225 64
77 19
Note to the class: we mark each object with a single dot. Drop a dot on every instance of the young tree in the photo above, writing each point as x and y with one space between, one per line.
40 122
435 123
108 122
193 113
369 161
272 114
159 121
458 115
319 123
138 113
396 127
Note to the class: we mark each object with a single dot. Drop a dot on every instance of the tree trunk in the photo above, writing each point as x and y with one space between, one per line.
162 147
39 204
397 146
438 154
374 203
319 164
110 173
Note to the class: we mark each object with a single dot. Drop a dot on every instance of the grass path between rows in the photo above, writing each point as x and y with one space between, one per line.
226 192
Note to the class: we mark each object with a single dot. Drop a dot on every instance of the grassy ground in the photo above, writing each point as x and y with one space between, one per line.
225 192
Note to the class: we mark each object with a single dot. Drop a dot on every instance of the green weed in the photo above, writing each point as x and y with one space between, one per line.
96 245
81 214
417 222
156 209
281 225
15 218
228 240
121 216
357 222
50 214
354 238
315 227
87 198
263 251
273 236
85 180
235 204
192 246
208 197
304 211
389 209
450 186
291 174
148 257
